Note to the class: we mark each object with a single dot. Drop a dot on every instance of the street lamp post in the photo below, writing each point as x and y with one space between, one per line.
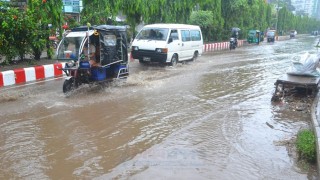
277 15
277 9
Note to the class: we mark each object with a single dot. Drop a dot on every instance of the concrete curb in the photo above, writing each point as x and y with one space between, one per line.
30 74
315 112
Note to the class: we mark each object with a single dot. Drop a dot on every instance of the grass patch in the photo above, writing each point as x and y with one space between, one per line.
306 145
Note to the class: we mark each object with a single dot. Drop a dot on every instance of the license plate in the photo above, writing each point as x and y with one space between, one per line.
146 58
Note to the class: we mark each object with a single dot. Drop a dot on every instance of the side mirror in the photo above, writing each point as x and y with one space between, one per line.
170 40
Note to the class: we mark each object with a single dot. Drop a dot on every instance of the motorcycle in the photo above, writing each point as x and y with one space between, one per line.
110 59
53 42
233 43
234 38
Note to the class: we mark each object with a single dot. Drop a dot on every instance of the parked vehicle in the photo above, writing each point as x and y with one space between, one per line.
53 41
255 36
167 43
106 63
234 38
271 34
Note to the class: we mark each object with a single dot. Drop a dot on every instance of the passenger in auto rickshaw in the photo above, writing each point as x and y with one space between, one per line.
94 54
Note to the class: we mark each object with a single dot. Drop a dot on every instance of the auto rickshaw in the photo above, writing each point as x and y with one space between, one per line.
255 36
109 62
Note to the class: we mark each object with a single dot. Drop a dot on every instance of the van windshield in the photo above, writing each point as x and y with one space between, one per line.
270 33
153 34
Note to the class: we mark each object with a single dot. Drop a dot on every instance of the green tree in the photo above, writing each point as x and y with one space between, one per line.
97 11
215 32
54 15
205 20
39 12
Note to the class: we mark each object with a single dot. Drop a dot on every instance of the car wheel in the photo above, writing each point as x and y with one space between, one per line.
174 60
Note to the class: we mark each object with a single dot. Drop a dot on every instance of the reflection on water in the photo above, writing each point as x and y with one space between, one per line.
212 119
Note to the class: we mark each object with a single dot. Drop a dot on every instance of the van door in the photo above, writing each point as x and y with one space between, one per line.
186 49
174 46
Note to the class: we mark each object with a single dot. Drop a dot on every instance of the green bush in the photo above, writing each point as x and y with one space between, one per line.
306 145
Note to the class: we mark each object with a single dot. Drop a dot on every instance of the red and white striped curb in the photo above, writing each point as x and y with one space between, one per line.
24 75
219 46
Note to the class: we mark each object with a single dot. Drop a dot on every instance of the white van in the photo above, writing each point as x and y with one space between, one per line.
167 43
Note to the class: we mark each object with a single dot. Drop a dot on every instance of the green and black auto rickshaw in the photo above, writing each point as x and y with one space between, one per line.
255 36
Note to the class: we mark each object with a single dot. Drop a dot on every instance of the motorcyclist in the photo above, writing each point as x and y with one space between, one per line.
235 35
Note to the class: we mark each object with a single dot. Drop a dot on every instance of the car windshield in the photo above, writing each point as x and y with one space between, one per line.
153 34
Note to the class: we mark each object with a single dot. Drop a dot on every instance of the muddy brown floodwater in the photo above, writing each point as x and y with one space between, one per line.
210 119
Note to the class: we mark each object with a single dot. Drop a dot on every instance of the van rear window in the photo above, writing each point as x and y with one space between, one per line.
153 34
195 35
185 34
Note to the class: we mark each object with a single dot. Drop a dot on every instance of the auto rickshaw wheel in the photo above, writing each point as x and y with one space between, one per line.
68 85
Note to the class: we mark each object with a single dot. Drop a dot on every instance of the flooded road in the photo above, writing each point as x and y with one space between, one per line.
210 119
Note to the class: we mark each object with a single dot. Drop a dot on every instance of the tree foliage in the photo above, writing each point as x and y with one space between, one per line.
97 11
26 31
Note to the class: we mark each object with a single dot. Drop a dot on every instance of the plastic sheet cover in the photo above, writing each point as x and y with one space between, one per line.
305 65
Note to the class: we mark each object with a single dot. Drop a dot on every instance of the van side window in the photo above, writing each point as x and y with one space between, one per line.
174 35
185 34
195 35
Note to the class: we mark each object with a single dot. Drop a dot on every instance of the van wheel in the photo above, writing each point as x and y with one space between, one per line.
141 61
174 60
195 56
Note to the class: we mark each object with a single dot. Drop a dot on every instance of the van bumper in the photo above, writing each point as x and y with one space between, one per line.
151 56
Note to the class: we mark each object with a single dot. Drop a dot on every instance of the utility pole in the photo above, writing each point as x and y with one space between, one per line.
277 9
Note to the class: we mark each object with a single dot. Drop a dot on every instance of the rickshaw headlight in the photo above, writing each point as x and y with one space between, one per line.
71 63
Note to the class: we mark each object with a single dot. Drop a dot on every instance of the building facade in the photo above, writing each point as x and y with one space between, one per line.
72 8
310 8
